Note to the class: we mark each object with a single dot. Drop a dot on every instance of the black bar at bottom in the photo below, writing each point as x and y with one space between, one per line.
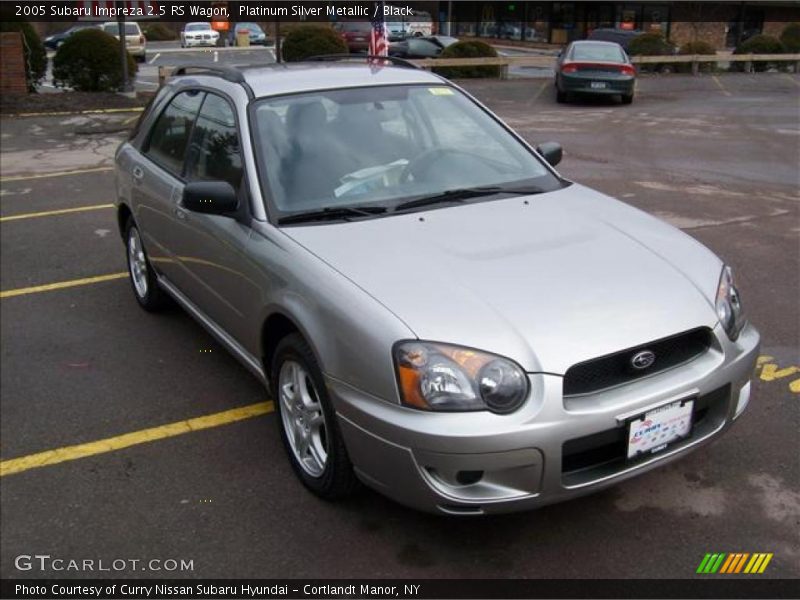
732 586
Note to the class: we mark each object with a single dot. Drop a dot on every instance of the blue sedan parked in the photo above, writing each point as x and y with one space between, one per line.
257 35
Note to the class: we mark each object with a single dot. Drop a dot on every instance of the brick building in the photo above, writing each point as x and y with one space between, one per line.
12 64
722 24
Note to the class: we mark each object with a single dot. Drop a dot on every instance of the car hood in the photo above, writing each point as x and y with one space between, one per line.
548 280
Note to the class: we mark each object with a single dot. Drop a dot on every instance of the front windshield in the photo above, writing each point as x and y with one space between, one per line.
198 26
383 146
252 27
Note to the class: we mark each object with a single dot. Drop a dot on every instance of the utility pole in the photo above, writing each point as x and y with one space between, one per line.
278 57
123 52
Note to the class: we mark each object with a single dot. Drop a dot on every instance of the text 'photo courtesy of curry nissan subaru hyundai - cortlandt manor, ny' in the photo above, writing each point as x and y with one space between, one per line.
451 323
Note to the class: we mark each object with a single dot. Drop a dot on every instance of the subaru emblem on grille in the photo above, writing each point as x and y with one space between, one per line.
642 360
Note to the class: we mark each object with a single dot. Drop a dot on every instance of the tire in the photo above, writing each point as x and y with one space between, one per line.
141 275
626 99
310 434
561 97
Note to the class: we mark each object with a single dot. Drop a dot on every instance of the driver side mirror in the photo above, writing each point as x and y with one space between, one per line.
551 152
210 197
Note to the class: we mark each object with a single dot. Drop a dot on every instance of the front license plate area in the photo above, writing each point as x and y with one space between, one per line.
654 430
598 85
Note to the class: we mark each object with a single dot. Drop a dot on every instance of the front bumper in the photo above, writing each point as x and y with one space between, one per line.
202 42
582 83
552 449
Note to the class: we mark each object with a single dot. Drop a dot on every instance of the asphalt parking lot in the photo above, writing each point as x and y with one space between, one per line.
716 156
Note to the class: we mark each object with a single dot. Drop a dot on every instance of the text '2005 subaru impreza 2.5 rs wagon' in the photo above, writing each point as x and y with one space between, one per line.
436 312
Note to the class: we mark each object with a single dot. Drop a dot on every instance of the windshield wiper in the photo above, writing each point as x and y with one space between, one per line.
333 213
462 194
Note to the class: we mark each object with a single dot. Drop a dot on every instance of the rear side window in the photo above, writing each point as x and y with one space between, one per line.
214 152
170 134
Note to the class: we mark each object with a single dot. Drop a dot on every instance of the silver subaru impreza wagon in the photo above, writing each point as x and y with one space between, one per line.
436 312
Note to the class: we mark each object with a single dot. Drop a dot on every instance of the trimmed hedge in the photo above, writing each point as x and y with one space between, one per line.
468 49
311 40
650 44
158 32
790 37
88 61
760 44
34 52
698 47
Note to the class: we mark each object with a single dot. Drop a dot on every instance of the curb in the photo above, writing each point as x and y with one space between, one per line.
65 113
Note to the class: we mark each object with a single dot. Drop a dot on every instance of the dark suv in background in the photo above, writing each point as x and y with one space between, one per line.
622 37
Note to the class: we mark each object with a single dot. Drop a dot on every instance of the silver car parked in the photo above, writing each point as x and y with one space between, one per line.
437 313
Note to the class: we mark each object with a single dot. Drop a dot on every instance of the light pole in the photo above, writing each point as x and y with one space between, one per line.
123 52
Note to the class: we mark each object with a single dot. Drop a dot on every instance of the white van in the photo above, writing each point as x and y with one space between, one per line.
420 24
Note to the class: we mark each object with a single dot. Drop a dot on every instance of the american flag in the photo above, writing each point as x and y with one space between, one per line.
378 45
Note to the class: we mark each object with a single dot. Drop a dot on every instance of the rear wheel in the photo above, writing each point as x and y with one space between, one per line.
307 421
627 99
143 280
561 97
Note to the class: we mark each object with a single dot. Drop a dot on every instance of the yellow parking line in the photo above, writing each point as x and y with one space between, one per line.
54 174
539 92
67 453
94 111
720 86
51 213
792 79
61 285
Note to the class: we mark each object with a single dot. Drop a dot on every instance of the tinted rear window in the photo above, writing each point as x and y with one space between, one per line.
130 29
355 26
603 52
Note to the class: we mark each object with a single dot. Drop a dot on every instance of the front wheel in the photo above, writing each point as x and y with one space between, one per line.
143 280
308 427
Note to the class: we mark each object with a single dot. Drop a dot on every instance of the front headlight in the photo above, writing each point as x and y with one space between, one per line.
729 305
434 376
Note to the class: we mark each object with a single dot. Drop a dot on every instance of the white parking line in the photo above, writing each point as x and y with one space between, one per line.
154 59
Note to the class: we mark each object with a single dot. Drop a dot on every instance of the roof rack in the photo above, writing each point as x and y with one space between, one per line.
231 74
399 62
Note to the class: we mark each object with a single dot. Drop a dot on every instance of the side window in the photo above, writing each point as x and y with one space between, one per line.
214 152
170 134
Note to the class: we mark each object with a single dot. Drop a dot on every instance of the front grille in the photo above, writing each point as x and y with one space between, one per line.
616 369
601 454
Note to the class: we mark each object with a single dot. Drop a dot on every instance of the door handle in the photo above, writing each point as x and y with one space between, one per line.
138 172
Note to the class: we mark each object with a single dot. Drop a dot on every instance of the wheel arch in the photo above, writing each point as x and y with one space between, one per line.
278 324
123 214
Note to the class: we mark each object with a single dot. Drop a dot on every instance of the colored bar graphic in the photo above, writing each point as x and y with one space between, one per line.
732 558
734 562
764 564
718 564
703 563
741 562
